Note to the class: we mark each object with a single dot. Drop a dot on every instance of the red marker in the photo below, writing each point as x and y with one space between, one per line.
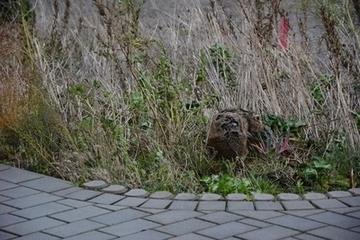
283 36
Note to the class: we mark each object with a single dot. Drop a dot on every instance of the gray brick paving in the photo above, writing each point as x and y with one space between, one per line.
41 210
7 219
220 217
33 206
32 226
335 233
47 184
73 228
32 200
148 235
336 219
269 233
79 213
18 192
295 223
130 227
119 216
183 205
38 236
226 230
184 227
91 235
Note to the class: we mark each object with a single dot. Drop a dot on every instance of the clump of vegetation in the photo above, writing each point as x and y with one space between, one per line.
118 96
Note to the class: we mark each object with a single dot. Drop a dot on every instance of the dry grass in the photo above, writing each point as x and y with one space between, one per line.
117 84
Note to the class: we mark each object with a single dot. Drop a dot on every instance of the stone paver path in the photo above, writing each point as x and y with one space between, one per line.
34 206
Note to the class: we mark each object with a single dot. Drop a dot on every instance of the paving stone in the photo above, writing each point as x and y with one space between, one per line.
37 236
183 205
211 206
172 216
7 185
4 167
264 205
148 235
150 210
260 215
5 235
7 219
355 229
211 197
184 227
32 226
67 191
47 184
73 228
355 191
336 219
220 217
288 197
107 198
3 198
226 230
18 192
32 200
334 233
162 195
141 193
79 214
354 214
130 227
269 233
314 196
295 223
110 207
116 189
338 194
41 210
95 184
74 203
156 203
263 197
119 216
185 197
236 197
84 194
304 213
351 201
328 203
16 175
131 202
239 205
6 209
93 235
305 236
255 223
190 236
297 205
345 210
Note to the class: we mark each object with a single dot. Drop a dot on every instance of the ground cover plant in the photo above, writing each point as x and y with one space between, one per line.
123 91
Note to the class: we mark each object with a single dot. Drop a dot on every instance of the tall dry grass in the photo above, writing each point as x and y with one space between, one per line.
123 80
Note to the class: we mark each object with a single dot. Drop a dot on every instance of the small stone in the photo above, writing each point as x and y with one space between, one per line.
141 193
185 197
263 197
355 191
116 189
338 194
236 197
210 197
162 195
97 184
288 197
314 196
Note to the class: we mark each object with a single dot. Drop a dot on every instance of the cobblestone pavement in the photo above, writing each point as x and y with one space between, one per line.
34 206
